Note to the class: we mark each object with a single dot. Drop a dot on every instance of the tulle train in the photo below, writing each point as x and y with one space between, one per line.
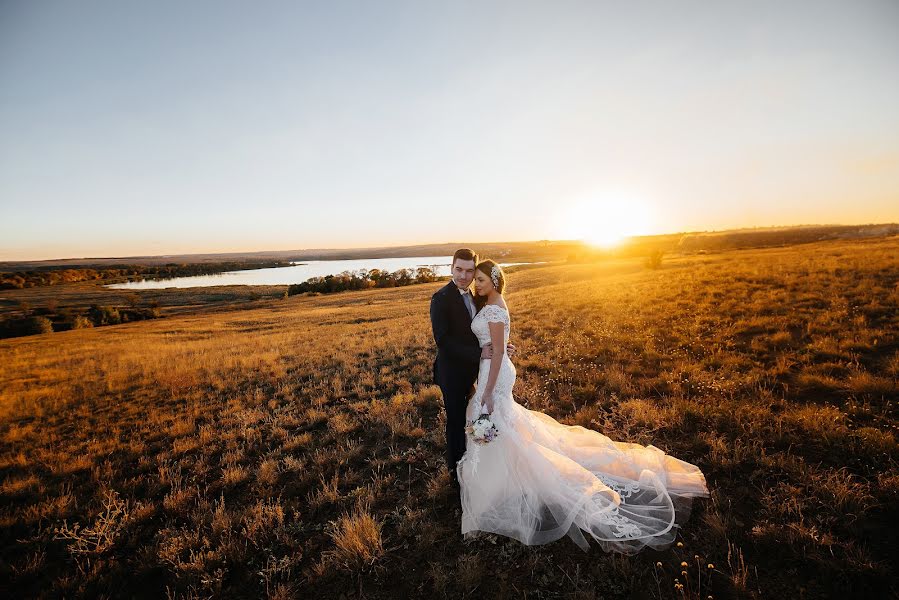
541 480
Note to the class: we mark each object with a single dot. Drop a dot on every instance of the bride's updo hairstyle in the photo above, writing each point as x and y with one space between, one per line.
494 272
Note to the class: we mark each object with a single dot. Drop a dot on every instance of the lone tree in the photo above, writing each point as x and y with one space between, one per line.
654 260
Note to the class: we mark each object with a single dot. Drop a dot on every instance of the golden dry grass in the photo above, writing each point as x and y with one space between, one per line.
274 451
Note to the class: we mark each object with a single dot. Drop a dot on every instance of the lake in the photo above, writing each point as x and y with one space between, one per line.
298 273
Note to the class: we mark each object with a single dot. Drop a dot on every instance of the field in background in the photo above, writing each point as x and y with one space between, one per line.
295 447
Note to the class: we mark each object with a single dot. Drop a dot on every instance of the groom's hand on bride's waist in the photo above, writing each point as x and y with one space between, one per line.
487 351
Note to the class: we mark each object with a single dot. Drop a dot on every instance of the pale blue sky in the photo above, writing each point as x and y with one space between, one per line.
165 127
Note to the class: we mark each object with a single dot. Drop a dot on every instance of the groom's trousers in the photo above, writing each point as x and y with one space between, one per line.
455 401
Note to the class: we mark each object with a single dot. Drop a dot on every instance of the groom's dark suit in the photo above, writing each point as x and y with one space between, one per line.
456 365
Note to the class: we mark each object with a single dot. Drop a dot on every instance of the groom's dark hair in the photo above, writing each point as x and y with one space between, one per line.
465 254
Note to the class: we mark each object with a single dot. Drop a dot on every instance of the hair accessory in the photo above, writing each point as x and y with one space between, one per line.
494 276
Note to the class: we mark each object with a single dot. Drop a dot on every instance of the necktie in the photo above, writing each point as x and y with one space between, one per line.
468 304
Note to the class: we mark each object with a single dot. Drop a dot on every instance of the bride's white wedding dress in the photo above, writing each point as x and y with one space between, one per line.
540 479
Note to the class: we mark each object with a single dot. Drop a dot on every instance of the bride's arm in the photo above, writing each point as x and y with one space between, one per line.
497 334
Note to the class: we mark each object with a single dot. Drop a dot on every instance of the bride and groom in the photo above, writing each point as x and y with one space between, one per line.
539 479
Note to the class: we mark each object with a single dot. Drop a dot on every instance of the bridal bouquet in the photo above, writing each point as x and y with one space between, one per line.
482 430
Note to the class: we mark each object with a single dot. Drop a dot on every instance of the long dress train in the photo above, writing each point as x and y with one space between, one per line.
541 479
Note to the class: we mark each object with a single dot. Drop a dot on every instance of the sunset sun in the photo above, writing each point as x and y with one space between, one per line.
607 221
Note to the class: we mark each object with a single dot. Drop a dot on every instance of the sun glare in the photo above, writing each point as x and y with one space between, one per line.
606 222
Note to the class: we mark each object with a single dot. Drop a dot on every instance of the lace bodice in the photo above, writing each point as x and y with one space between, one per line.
491 313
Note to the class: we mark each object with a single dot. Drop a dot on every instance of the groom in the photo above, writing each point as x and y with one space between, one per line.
458 352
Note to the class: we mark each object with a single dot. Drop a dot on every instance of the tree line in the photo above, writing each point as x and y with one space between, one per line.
362 280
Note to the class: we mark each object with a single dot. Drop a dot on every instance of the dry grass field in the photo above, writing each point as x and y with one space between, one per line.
294 449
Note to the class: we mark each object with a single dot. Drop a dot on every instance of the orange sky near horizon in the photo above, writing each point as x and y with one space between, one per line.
164 129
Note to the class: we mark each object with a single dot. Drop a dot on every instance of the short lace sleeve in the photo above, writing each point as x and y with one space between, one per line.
494 313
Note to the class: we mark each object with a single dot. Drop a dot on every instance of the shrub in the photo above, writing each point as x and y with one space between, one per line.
104 315
38 325
81 322
102 534
654 260
137 314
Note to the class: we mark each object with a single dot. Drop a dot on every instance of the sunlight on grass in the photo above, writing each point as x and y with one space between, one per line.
297 446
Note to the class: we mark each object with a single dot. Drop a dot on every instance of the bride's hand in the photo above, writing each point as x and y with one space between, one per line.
487 402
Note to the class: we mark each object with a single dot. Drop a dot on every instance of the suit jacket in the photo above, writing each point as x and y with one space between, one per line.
458 352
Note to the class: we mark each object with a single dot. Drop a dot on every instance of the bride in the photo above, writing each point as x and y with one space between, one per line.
539 479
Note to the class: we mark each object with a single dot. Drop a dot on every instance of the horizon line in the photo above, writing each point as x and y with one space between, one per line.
469 243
